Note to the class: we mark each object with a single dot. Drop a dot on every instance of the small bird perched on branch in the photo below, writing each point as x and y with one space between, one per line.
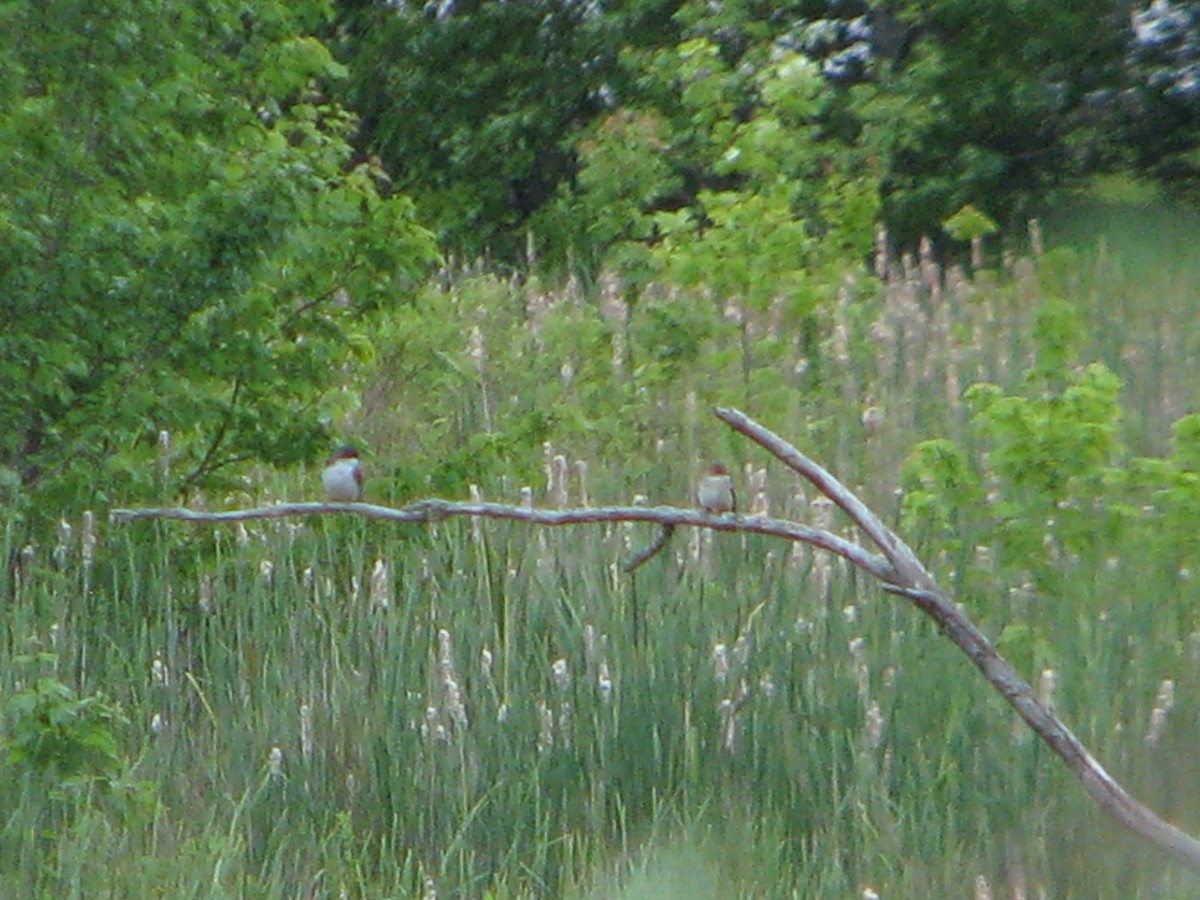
342 476
715 492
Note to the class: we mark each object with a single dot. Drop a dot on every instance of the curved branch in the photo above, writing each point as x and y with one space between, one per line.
205 464
915 583
899 554
644 555
1101 786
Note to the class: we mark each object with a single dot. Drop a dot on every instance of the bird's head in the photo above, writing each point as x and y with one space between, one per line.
342 453
717 469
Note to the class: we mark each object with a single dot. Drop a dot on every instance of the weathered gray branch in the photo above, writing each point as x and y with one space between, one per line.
908 568
644 555
1113 798
437 510
898 569
913 581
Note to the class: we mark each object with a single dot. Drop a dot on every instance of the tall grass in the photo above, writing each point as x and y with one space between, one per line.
329 708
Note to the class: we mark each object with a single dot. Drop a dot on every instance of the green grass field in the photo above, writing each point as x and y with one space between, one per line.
331 707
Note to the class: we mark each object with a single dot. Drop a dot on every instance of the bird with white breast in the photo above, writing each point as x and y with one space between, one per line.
715 493
342 477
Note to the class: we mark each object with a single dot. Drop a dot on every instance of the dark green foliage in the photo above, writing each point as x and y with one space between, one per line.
578 120
493 113
1163 64
991 106
188 246
476 111
52 731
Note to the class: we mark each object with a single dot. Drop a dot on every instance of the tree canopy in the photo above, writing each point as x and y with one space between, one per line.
209 205
190 243
486 110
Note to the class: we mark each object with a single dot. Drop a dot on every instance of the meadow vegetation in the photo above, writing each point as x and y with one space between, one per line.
518 251
333 707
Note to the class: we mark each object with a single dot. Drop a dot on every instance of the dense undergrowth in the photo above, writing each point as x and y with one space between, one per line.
331 707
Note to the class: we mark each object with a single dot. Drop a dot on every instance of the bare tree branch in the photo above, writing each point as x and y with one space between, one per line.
1109 794
435 510
899 570
643 556
909 568
914 582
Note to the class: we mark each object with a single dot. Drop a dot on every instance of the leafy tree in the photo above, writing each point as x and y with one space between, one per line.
475 107
789 203
1049 456
491 113
1163 104
187 244
1172 483
725 181
996 106
1008 105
